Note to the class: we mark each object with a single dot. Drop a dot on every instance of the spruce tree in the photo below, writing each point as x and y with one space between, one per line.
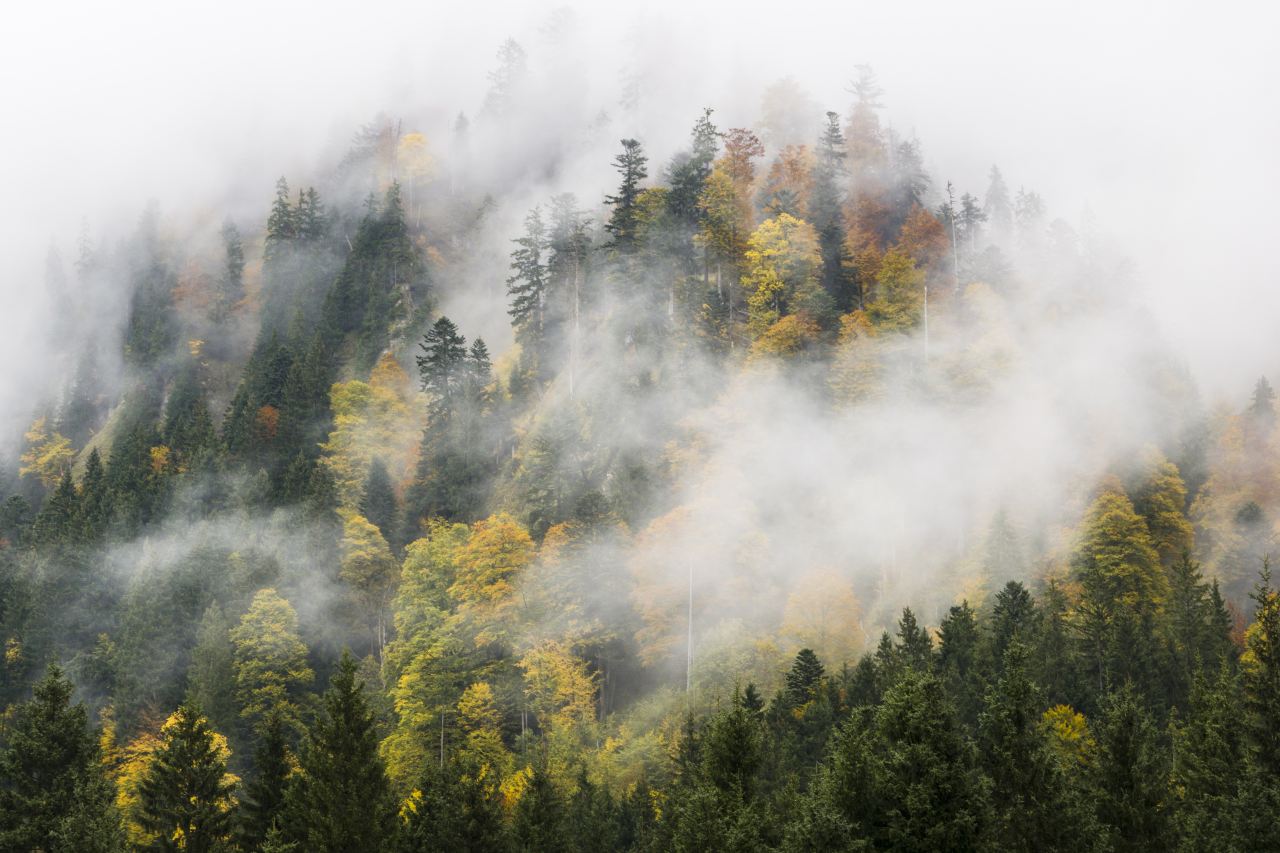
186 796
804 678
53 795
1036 806
624 222
378 502
262 804
540 816
454 808
341 800
1130 776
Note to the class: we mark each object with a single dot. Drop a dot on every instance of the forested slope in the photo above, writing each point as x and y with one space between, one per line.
801 502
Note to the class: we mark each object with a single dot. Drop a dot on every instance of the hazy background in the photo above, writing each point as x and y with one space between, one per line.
1159 118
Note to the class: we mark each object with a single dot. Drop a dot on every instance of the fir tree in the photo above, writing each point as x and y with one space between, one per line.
186 796
53 795
341 800
624 222
262 804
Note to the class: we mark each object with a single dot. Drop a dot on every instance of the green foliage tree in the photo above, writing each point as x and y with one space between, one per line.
186 794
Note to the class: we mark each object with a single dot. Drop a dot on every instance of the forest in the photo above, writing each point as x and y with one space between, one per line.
797 500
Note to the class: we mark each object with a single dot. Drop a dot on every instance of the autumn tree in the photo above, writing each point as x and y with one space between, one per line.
270 659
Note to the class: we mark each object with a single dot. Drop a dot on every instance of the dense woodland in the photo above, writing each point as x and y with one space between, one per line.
292 561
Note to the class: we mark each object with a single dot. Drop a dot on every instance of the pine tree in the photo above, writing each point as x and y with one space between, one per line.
1210 749
212 673
453 808
527 288
262 805
1130 776
914 647
186 795
53 795
378 502
826 212
1035 805
1262 407
540 816
281 227
1260 665
624 222
959 661
805 678
341 800
442 365
997 206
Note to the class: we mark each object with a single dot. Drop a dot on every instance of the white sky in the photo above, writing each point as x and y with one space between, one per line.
1162 118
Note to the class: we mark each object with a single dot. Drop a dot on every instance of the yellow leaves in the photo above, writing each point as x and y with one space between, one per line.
481 721
196 348
898 292
48 454
560 689
369 568
1256 639
160 460
823 614
127 766
270 659
787 338
371 420
489 565
513 788
782 259
414 157
12 652
1069 736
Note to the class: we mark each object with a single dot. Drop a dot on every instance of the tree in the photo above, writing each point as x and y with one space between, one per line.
1262 406
270 658
371 571
624 221
805 678
453 808
782 263
211 677
898 296
1211 750
1036 806
186 794
1122 588
262 805
48 456
1130 776
53 795
1260 666
826 212
1161 500
378 503
997 206
539 816
341 801
527 289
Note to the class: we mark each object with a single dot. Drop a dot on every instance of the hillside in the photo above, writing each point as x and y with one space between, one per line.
777 495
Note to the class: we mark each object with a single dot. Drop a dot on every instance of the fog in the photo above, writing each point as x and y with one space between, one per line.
1159 119
1150 125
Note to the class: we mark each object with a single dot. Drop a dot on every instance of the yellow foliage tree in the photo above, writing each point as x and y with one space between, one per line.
823 614
781 272
899 293
481 722
370 570
371 420
48 454
489 569
270 659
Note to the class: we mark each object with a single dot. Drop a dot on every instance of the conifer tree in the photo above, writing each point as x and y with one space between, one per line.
186 795
341 801
1130 776
540 816
1036 806
262 803
53 795
826 212
623 224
